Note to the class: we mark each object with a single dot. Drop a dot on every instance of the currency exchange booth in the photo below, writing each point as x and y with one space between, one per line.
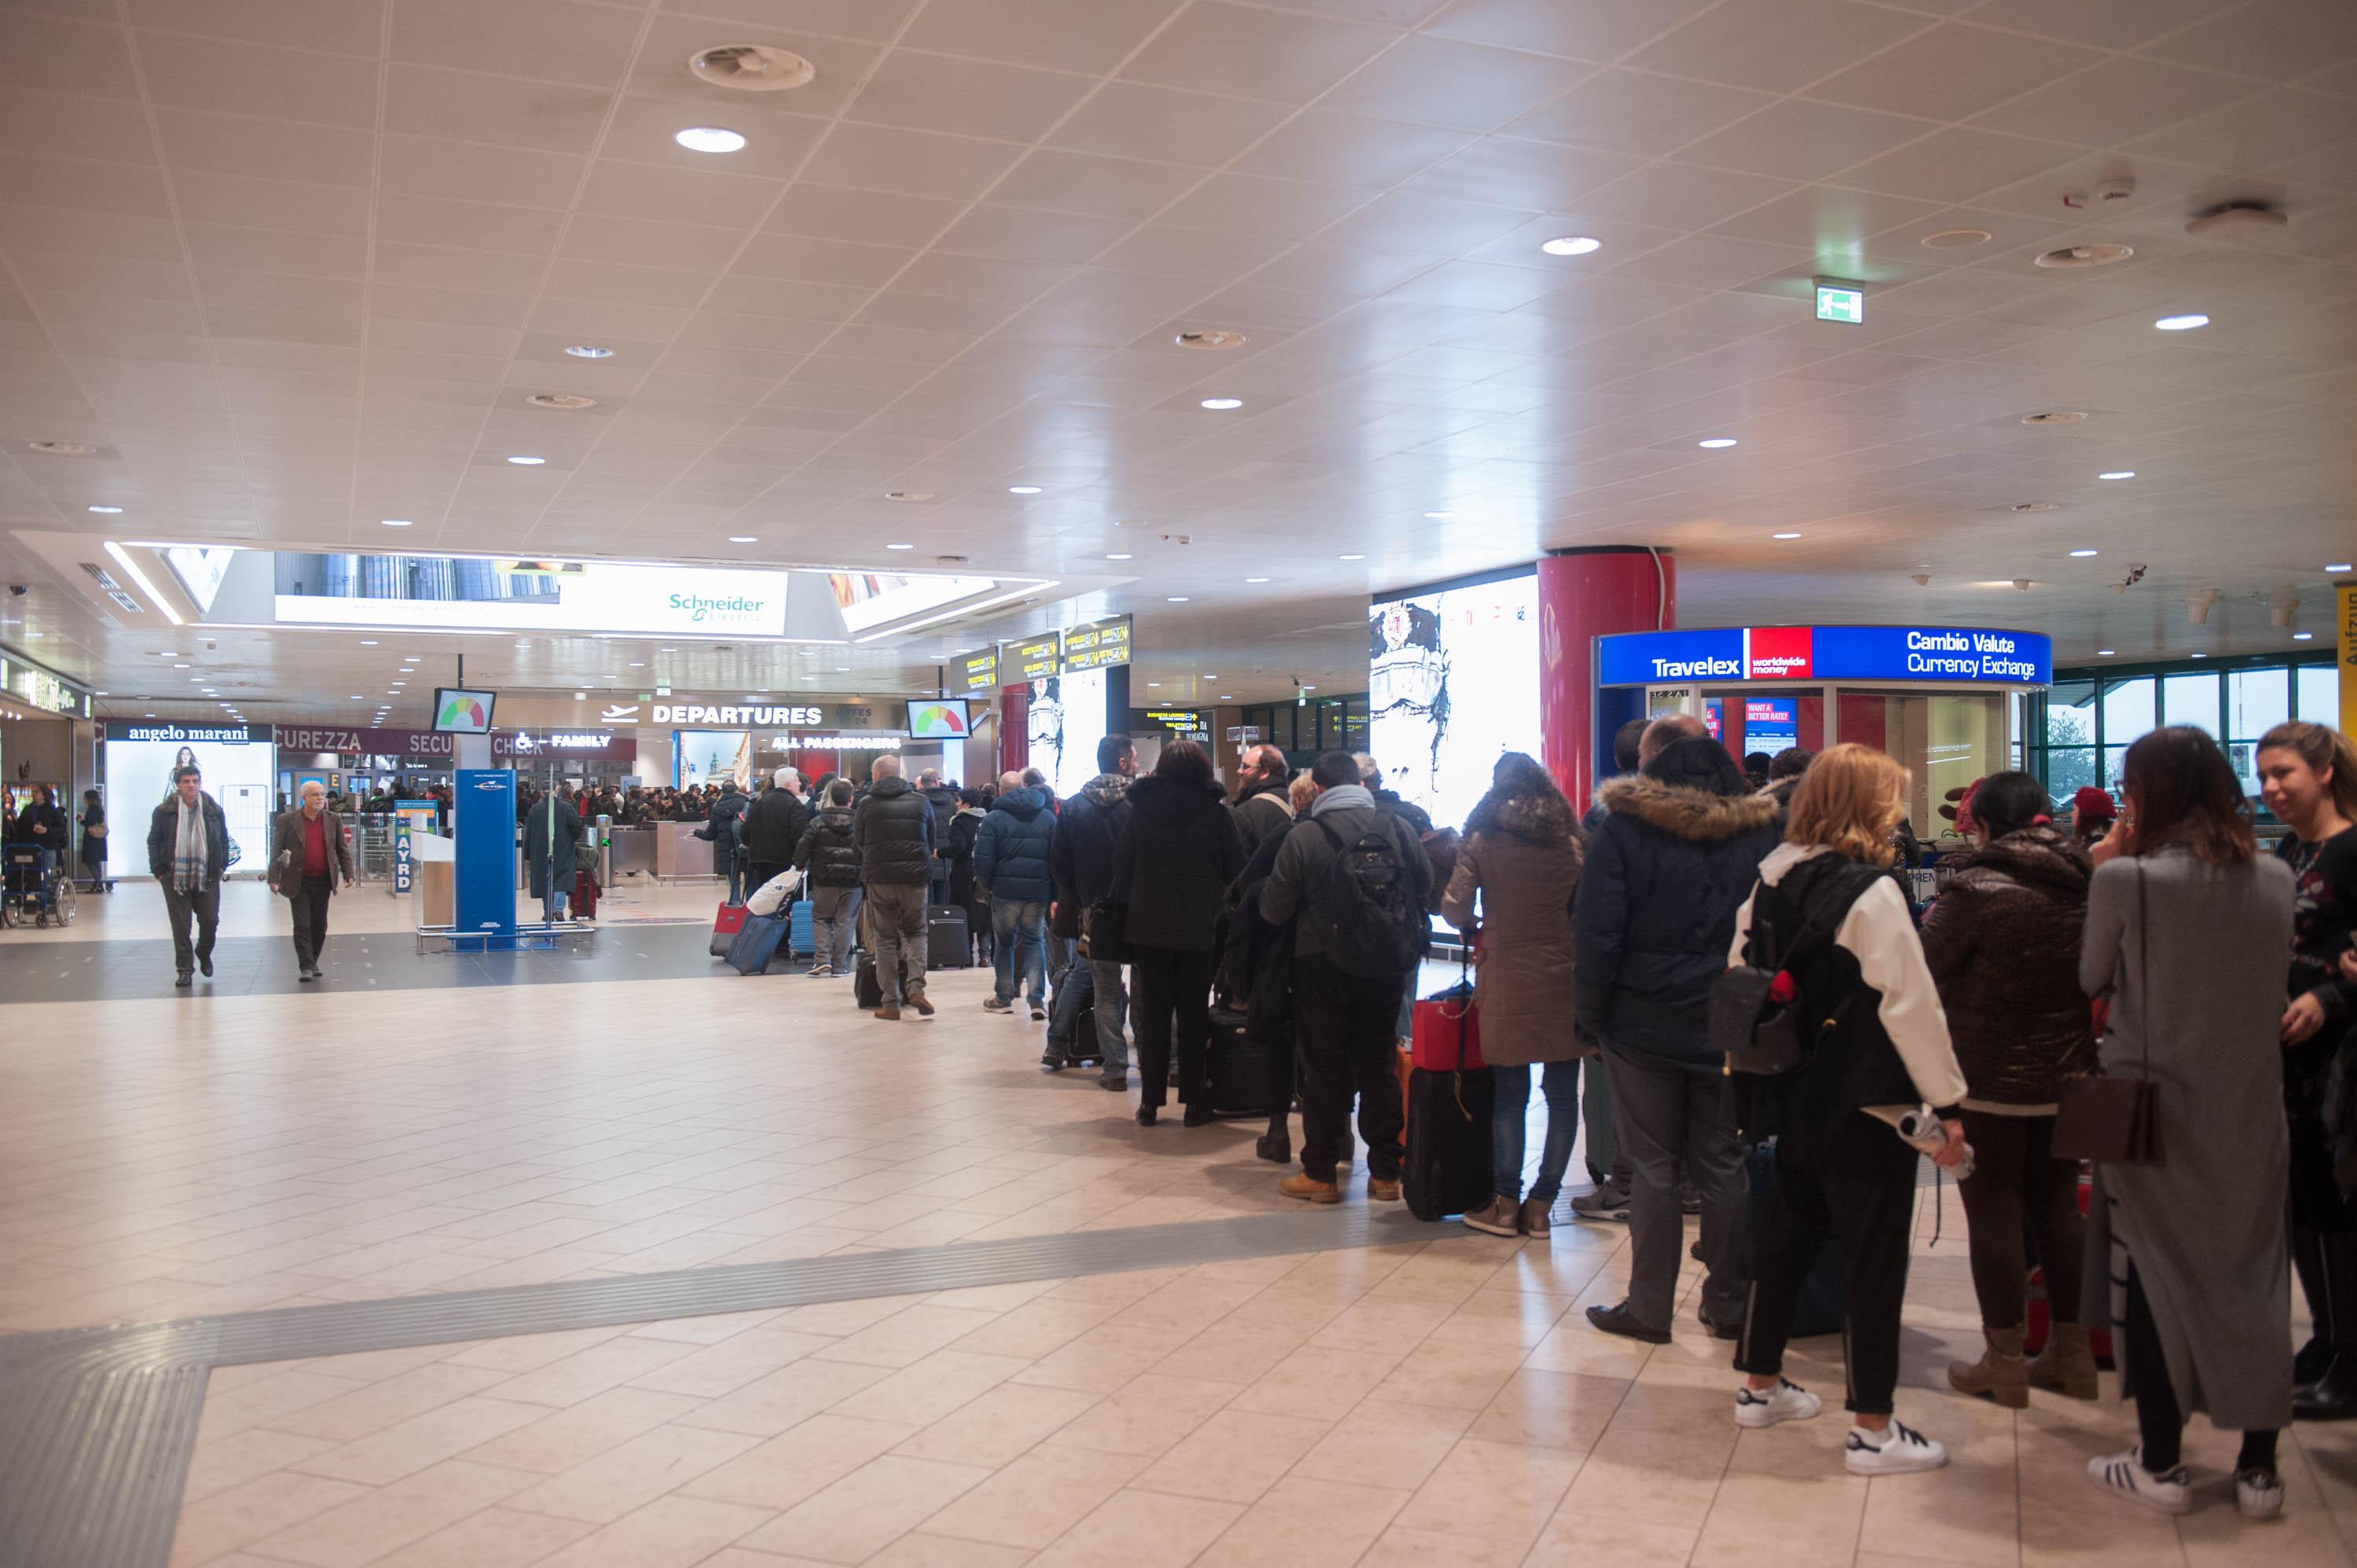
1950 703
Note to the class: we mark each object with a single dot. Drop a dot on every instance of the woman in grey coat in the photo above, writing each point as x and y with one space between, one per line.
2187 926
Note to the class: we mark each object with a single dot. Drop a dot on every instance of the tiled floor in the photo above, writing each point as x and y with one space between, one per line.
163 1157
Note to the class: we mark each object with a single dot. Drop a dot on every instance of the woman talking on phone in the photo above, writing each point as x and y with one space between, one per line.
2187 926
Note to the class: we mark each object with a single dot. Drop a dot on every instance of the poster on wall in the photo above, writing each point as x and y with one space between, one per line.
236 761
1453 681
1067 720
707 755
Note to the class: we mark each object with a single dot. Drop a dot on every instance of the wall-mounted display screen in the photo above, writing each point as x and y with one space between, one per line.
457 711
939 720
707 755
1095 644
1067 720
1453 681
1770 724
236 763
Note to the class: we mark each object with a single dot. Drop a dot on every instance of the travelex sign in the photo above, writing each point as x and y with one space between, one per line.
1966 654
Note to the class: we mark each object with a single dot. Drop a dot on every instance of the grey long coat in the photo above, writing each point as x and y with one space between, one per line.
1522 988
2204 993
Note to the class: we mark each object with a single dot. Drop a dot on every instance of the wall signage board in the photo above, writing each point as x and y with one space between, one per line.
1096 644
781 715
1190 723
1034 659
426 746
35 687
1967 655
181 734
1838 299
978 671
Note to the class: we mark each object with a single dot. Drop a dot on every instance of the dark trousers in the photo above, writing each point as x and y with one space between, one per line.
1856 1180
204 905
1673 1125
310 903
1281 1054
2020 1192
1171 1006
1343 1034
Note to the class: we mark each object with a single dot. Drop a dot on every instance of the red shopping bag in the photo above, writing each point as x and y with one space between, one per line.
724 926
1444 1028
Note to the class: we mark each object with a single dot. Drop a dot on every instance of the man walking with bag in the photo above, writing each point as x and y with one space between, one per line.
1082 862
893 830
1357 878
187 852
307 853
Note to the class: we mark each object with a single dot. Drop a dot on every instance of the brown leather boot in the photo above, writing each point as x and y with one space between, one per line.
2000 1373
2066 1365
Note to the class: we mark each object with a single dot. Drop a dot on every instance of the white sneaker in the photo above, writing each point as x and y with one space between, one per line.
1893 1451
1786 1401
2258 1493
2172 1492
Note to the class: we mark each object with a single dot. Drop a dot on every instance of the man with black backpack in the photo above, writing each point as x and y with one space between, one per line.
1352 880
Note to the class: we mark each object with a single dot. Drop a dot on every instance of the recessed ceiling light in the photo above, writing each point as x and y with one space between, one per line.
2080 555
1354 557
1022 489
1715 443
1120 555
709 139
2200 656
2337 566
1571 245
560 400
1439 514
393 522
1154 683
843 668
1223 403
147 716
527 462
589 351
1177 599
1255 579
2103 653
2296 636
1783 536
1955 239
743 539
2182 324
357 698
899 547
368 642
179 666
1224 696
106 510
2118 474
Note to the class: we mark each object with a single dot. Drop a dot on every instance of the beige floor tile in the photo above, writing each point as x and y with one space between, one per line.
1032 1500
906 1337
1141 1529
932 1389
1570 1541
1001 1425
1551 1410
1440 1372
1305 1523
241 1515
266 1400
495 1538
408 1446
632 1474
853 1517
771 1404
782 1471
921 1550
729 1365
1099 1361
1314 1383
1817 1520
669 1532
1149 1415
1370 1325
1496 1490
388 1518
1384 1444
1403 1548
1235 1455
558 1440
241 1456
574 1378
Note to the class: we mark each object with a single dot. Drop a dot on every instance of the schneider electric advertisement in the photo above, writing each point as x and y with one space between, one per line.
1453 681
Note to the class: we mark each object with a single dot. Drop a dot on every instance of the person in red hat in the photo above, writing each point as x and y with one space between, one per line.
2093 812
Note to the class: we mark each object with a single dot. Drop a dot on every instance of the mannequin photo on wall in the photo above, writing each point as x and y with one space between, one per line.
1046 725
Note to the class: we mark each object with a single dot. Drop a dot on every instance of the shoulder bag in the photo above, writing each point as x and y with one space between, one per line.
2108 1120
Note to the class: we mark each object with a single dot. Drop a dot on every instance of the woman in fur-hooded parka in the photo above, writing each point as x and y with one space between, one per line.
1521 853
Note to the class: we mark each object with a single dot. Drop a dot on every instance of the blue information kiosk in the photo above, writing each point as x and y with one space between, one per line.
483 823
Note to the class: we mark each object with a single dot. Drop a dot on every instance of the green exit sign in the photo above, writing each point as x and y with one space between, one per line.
1841 302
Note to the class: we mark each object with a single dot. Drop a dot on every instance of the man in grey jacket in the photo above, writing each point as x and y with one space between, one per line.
1345 1022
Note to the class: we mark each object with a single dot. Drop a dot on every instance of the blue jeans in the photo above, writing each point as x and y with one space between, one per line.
735 879
1510 1124
552 906
1018 928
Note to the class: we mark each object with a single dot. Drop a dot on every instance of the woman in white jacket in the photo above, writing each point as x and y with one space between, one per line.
1828 914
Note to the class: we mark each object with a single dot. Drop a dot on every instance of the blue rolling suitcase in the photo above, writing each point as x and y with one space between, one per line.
756 944
801 941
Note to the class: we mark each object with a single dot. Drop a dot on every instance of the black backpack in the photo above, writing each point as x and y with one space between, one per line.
1369 922
1755 1031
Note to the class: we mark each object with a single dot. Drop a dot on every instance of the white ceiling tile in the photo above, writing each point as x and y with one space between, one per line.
1826 217
47 53
913 162
1956 165
1126 119
1536 174
1340 267
1019 234
1089 35
875 20
635 241
867 217
2277 40
1060 181
805 260
420 165
1475 286
677 196
298 208
235 143
929 312
1342 149
1461 86
1953 71
1801 140
745 295
2105 23
1678 196
1422 225
1582 30
1218 47
127 188
973 277
556 40
1275 209
95 233
1709 261
43 271
69 125
2115 101
350 27
1646 116
1774 44
974 98
490 226
660 73
281 290
2255 132
231 77
468 106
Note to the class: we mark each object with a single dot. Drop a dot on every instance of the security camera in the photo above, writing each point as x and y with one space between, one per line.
18 590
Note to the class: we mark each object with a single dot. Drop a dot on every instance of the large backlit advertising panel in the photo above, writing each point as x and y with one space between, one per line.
705 755
237 762
1453 681
1067 720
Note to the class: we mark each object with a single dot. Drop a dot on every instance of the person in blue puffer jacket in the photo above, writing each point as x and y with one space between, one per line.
1011 855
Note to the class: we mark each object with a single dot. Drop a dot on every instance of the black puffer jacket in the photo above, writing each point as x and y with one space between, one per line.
1082 860
893 828
826 851
2002 940
1255 968
1174 864
772 826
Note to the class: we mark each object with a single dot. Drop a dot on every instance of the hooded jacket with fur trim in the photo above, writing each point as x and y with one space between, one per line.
2002 941
1523 857
1667 867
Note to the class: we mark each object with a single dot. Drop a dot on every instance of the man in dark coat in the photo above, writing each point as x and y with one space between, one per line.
773 827
724 828
1263 810
827 853
1012 863
944 803
1606 1166
1370 776
550 833
893 830
1082 863
187 852
1674 859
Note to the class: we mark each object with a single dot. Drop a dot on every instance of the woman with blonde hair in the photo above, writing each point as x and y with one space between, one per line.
1827 913
2307 776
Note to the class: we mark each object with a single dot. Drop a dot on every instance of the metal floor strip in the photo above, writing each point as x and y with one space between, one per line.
97 1424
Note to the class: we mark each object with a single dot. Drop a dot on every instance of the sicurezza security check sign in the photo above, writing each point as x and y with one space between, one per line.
1943 655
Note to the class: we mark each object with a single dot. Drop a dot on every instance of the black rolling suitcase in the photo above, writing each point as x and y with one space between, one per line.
866 989
1237 1070
1447 1169
947 946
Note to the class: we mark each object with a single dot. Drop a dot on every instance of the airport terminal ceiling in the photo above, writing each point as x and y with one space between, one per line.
324 290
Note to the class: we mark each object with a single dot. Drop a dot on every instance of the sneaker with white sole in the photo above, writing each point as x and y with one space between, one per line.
1606 1203
1501 1216
1893 1451
2258 1493
2169 1491
1758 1409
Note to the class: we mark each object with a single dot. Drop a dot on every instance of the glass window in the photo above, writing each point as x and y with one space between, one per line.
2070 715
2256 700
2191 699
2114 765
2319 694
2068 767
2129 709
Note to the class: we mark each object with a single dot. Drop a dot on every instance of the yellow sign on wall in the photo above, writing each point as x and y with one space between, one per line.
2345 602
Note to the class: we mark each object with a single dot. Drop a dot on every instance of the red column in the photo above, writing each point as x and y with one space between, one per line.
1584 595
1014 728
